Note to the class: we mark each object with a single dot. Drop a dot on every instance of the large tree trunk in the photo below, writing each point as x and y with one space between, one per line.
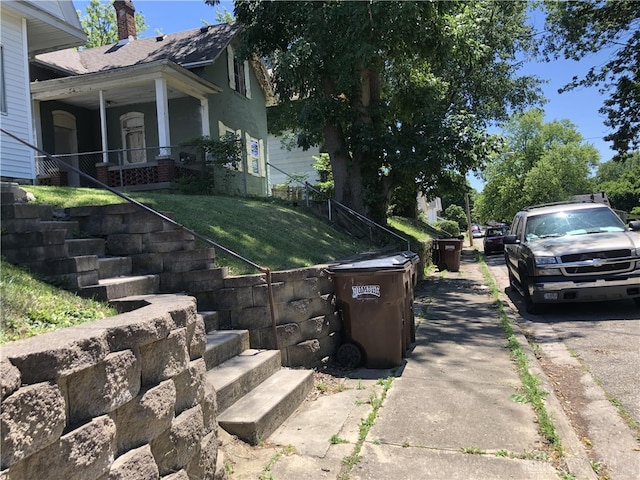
355 166
347 174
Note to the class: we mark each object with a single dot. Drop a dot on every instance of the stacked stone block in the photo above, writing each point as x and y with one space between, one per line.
121 398
308 326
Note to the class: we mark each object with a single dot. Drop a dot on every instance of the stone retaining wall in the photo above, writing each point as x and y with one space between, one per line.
120 398
308 325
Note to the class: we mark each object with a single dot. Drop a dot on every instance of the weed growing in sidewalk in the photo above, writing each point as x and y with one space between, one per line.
266 471
531 391
335 440
365 425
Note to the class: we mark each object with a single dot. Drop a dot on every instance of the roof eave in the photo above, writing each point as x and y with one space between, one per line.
59 88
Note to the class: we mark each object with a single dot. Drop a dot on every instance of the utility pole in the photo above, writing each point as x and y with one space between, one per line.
466 204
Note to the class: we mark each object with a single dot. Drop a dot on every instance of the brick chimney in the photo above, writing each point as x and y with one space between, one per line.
125 14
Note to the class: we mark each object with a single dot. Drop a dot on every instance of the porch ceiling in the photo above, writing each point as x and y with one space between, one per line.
123 86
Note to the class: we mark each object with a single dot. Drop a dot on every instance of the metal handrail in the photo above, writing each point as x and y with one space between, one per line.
359 216
207 240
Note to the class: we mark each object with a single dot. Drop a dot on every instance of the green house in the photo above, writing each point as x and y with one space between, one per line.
126 113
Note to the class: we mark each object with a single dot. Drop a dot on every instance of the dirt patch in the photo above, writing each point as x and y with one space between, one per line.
251 462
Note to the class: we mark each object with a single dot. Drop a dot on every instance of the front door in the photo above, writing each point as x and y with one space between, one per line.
66 143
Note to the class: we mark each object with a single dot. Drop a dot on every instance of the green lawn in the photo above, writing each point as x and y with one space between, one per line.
30 306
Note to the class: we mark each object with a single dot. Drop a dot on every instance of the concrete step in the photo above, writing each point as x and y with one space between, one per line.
70 227
241 374
223 345
113 288
85 246
257 415
109 267
10 192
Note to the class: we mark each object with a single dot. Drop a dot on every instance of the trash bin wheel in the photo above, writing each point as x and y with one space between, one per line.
349 355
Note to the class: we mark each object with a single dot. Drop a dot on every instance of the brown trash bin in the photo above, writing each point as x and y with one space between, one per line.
412 279
450 250
372 297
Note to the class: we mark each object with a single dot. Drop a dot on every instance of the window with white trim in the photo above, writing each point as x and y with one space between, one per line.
239 79
133 138
255 155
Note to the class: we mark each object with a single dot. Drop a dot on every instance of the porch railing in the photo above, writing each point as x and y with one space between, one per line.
124 167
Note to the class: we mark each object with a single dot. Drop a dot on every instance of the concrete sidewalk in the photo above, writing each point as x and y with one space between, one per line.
450 412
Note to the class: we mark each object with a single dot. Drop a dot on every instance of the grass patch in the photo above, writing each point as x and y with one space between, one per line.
267 232
31 307
412 229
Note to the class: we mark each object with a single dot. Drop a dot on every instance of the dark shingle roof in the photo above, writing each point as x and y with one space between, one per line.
190 46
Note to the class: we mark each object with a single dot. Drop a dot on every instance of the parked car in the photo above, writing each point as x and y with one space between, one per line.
476 231
574 252
494 239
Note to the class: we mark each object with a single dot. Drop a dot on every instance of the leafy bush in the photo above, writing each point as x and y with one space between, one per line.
448 226
323 166
224 152
456 214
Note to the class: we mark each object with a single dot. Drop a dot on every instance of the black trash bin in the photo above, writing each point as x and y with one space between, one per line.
372 297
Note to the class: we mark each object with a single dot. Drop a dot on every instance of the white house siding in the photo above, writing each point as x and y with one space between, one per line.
430 209
295 162
16 160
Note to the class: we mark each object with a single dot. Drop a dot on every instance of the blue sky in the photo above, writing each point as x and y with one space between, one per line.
579 106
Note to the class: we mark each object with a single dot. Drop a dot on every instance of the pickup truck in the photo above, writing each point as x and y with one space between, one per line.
572 252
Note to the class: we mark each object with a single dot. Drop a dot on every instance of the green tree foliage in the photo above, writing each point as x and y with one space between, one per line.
576 29
621 182
224 16
399 93
101 25
542 163
456 213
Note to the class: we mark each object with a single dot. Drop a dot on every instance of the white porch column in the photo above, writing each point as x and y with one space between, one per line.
204 117
37 128
103 128
37 123
162 110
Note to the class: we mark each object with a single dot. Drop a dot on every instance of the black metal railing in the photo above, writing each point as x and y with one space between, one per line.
62 164
331 203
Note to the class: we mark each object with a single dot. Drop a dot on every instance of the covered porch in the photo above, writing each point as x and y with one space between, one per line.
122 126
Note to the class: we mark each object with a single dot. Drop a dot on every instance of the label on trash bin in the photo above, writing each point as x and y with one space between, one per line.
358 291
449 247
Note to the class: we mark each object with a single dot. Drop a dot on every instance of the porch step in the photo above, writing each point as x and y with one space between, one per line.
109 267
223 345
70 227
113 288
85 246
241 374
258 414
